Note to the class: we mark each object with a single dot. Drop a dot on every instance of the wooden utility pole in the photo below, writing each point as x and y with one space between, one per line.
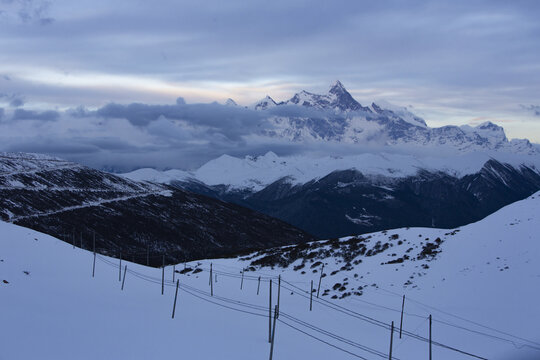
391 341
210 277
270 314
430 337
320 279
258 285
276 314
242 281
278 291
211 282
163 276
401 322
94 266
124 279
173 272
175 297
120 268
311 297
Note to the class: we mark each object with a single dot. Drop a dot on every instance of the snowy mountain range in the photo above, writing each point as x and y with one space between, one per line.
393 170
408 144
337 196
338 117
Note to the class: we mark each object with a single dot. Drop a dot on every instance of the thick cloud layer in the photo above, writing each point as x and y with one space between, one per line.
124 137
22 114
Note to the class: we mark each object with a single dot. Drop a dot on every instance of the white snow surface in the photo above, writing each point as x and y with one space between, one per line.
16 163
482 290
153 175
255 173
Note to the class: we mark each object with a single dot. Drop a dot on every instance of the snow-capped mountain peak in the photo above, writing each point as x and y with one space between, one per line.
337 99
336 87
343 99
490 128
264 104
230 102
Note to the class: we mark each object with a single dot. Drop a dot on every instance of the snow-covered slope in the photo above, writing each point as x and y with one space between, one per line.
156 176
479 282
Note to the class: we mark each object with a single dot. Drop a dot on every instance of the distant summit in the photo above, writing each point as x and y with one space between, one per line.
230 102
343 99
337 98
264 104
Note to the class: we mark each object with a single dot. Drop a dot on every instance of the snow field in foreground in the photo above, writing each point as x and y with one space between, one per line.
58 311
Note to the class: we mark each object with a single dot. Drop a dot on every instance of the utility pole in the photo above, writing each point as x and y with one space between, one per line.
311 297
124 279
429 336
175 297
276 314
163 276
270 314
401 322
391 341
320 279
94 266
120 268
211 282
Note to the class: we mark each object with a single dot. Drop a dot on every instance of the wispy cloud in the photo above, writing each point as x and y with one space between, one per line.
533 109
14 100
26 11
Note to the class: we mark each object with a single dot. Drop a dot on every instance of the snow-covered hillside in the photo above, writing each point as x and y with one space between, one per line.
479 282
65 199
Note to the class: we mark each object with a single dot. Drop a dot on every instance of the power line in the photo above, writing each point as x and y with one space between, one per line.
206 297
334 336
340 309
321 340
380 323
537 345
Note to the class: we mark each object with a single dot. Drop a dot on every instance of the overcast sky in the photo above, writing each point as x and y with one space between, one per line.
453 62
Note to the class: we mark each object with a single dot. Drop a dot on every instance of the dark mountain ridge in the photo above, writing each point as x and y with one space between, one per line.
348 202
76 203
